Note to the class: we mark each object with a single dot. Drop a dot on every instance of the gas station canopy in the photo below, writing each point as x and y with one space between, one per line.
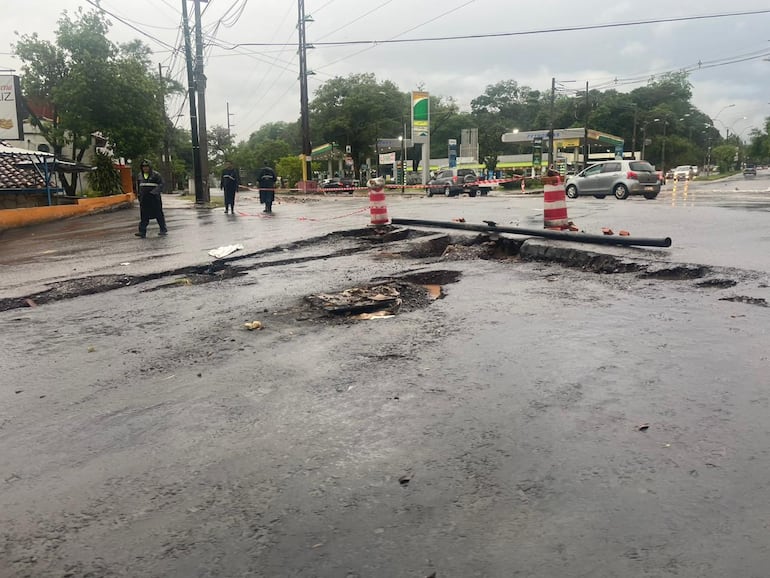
326 152
565 137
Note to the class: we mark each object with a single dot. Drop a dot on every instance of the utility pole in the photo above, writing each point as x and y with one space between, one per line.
585 131
200 80
551 129
633 139
196 149
403 157
165 160
307 171
229 114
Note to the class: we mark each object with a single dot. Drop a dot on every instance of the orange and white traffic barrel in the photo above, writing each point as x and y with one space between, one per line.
378 209
555 204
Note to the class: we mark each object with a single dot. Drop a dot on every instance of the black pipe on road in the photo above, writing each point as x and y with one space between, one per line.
557 235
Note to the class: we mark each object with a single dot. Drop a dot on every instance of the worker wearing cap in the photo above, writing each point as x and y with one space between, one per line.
149 188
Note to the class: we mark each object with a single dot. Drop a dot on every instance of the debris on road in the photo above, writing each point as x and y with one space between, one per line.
225 250
380 299
252 325
644 427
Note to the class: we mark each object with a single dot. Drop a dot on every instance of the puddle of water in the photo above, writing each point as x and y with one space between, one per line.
434 291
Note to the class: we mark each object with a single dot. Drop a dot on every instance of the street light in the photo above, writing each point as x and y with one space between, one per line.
732 126
722 110
663 146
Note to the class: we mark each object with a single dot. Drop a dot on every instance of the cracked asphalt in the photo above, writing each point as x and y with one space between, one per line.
560 411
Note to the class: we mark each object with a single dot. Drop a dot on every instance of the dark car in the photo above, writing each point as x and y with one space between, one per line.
453 182
338 184
750 171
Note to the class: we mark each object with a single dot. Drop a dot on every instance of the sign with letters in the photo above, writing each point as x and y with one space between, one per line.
10 108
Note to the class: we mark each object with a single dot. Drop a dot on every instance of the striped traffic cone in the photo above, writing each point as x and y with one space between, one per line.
555 204
377 208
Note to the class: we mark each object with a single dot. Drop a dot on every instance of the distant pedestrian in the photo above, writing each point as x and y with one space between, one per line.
149 188
266 177
229 184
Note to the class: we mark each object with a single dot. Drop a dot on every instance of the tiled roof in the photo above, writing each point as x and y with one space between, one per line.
12 177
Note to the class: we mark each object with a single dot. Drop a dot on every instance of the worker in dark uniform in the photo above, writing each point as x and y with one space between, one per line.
266 178
229 184
149 187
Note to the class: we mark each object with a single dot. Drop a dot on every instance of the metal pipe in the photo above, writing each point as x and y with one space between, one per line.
557 235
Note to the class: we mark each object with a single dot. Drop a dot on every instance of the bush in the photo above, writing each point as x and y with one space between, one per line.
105 180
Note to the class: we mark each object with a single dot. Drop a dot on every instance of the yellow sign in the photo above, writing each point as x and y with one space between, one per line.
567 143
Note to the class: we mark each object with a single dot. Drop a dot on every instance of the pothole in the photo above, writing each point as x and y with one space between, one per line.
68 289
761 302
717 283
214 272
678 273
384 297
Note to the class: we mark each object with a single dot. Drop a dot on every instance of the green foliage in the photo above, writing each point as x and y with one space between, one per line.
251 156
105 180
93 85
220 143
724 157
289 168
356 111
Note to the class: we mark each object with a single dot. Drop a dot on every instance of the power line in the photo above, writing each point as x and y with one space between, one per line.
364 15
139 30
526 32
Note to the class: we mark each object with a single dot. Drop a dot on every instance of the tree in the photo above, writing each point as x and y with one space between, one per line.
289 169
220 144
724 157
356 111
92 85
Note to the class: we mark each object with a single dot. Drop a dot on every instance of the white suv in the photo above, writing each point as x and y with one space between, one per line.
683 173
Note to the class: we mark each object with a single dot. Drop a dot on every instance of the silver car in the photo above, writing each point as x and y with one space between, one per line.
620 178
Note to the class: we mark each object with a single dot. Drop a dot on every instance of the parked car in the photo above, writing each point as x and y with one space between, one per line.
683 173
620 178
750 171
340 184
453 182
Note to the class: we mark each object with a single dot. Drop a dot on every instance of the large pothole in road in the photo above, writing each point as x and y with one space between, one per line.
384 297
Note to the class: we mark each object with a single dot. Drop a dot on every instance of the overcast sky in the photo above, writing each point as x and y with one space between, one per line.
261 83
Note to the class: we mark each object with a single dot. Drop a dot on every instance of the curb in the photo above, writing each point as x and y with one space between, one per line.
17 218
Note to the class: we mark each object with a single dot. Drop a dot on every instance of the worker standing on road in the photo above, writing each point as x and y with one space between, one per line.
229 184
149 187
266 178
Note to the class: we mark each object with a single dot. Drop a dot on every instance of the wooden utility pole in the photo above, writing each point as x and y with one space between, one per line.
165 155
196 149
200 82
229 114
307 171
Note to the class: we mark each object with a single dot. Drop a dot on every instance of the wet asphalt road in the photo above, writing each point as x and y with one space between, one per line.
496 432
